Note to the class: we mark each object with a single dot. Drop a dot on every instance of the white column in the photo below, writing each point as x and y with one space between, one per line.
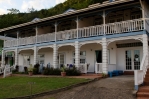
104 21
3 58
16 57
55 30
145 46
17 38
36 33
77 54
35 55
104 56
55 54
77 21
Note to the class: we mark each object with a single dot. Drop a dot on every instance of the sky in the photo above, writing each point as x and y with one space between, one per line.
23 5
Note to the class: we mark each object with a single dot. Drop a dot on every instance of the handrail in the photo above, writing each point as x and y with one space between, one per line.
139 75
84 68
1 70
8 70
98 68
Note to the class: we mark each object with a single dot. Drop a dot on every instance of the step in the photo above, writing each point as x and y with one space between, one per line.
144 89
146 79
146 83
147 72
91 74
143 94
147 75
142 98
128 72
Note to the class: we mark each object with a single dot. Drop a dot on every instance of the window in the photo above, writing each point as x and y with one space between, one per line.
26 60
40 59
82 57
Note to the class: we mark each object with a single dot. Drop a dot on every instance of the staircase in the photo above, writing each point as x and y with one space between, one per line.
143 92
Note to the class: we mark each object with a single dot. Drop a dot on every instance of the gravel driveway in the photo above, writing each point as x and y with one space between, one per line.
120 87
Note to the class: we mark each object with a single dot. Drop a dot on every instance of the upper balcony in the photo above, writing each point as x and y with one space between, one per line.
117 19
80 33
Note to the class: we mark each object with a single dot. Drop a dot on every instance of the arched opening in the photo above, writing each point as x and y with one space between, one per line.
66 55
9 58
91 53
125 55
45 56
26 57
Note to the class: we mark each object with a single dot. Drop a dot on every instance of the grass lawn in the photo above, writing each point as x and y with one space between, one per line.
18 86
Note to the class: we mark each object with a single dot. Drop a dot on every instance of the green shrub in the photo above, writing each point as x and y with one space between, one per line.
35 71
72 72
56 71
52 71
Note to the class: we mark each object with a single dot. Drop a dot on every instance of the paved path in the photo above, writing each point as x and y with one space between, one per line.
120 87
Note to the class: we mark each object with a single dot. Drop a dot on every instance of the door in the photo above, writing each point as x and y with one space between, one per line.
132 59
98 56
61 59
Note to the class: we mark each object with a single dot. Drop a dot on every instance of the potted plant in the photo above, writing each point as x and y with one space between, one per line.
63 73
30 70
104 75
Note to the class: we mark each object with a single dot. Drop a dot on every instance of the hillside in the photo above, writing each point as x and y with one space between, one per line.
15 19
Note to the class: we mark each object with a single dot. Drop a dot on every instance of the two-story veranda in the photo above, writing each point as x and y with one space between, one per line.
108 36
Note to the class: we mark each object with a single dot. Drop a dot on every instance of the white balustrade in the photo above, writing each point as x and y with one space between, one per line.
10 43
140 74
1 70
98 68
84 68
124 26
27 40
85 32
66 35
46 37
8 70
90 31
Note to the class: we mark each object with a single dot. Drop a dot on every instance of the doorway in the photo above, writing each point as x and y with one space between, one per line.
98 56
132 59
61 59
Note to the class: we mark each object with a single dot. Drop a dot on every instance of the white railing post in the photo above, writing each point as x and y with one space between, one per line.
17 38
55 30
77 21
96 67
104 22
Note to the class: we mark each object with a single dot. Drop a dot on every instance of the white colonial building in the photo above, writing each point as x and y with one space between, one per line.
108 36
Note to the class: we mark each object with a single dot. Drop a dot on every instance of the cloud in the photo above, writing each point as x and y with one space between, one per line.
6 2
59 1
36 4
2 11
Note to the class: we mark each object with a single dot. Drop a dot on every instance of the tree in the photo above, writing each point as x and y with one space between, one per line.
31 10
13 11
